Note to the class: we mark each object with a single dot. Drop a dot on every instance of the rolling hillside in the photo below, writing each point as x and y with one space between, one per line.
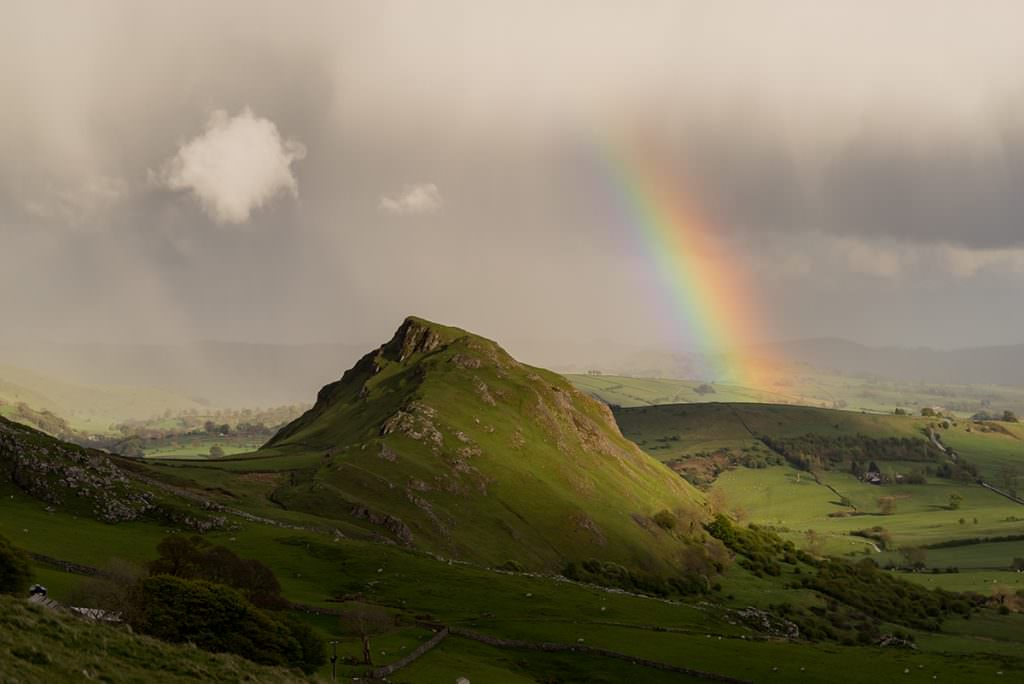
322 563
449 444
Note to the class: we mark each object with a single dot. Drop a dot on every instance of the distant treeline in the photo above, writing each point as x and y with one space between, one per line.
972 541
222 422
832 452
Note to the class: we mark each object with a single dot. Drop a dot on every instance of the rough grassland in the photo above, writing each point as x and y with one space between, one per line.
40 645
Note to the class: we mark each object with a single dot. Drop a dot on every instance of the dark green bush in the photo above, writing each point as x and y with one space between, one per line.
610 574
217 618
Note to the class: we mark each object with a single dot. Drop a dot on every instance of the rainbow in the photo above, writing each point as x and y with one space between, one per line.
709 296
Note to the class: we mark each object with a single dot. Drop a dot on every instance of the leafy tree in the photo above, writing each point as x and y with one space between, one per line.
216 451
915 556
179 557
928 412
1009 416
196 558
900 411
15 572
955 499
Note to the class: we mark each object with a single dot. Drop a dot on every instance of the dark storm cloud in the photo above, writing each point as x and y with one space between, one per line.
956 191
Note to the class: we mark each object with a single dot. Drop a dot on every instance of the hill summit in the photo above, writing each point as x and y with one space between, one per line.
443 441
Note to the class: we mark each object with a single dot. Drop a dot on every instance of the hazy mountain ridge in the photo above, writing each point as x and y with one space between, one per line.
996 365
207 373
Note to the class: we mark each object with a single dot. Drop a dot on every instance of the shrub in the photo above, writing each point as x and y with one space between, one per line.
511 566
15 572
666 520
760 548
610 574
217 618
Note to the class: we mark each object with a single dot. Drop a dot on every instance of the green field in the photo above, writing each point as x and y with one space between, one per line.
793 502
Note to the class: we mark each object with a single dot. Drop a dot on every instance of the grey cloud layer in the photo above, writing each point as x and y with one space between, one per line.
816 133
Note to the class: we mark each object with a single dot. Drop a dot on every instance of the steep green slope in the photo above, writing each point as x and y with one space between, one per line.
39 645
445 442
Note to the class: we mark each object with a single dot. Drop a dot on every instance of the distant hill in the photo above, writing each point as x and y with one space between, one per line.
996 365
1002 365
449 444
222 374
89 408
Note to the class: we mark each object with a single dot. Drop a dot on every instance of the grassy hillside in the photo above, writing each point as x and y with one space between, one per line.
40 645
453 446
331 569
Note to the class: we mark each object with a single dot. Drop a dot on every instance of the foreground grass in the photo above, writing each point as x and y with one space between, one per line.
40 645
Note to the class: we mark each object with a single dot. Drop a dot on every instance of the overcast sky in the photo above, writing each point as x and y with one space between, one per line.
296 172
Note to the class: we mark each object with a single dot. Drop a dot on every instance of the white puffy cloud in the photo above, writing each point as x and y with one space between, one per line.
238 164
418 198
